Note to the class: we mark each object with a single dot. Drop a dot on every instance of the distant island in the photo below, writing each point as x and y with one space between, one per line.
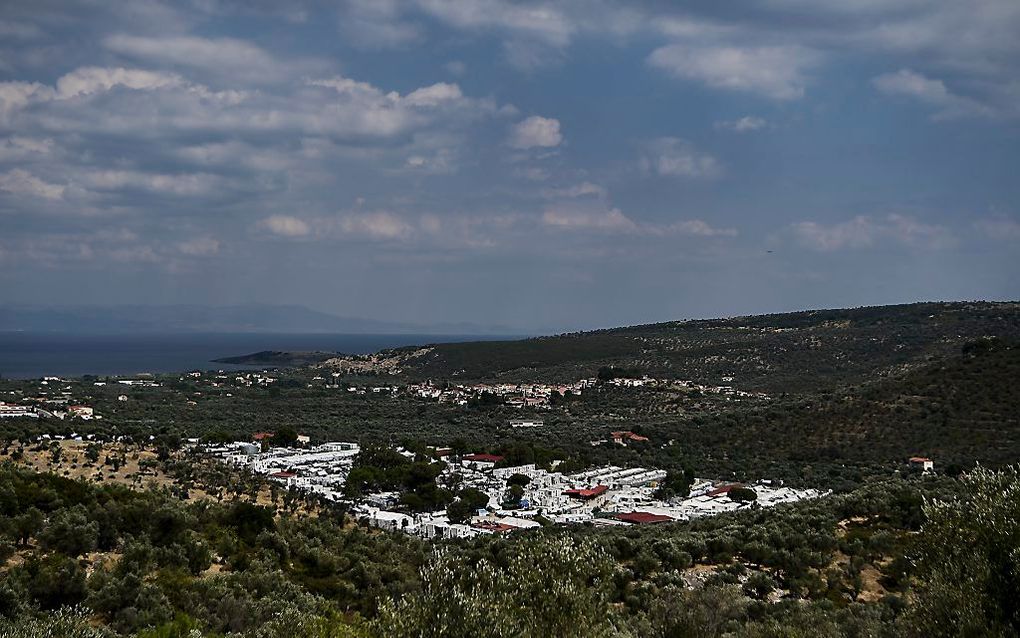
277 358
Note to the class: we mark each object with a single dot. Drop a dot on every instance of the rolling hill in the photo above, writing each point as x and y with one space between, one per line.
794 352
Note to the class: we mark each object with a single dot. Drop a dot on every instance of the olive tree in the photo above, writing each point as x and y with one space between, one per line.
549 586
969 563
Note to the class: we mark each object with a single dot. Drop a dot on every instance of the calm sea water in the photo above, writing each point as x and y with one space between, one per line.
29 355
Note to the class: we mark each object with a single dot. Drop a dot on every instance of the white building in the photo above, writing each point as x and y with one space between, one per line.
526 423
8 410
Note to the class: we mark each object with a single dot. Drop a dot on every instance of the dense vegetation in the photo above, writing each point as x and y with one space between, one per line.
881 560
958 409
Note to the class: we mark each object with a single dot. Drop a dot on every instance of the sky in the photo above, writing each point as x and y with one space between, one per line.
543 166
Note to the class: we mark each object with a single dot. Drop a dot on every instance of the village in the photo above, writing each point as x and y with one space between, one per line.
539 395
58 398
518 497
524 395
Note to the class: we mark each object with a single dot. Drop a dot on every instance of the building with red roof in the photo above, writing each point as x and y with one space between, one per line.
621 437
642 518
722 490
493 527
481 461
484 458
922 462
587 494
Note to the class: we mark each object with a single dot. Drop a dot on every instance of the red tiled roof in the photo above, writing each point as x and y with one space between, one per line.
282 475
589 493
258 436
493 526
627 434
724 489
641 518
919 459
490 458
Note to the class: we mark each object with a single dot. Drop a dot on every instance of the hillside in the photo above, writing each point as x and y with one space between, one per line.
792 352
959 411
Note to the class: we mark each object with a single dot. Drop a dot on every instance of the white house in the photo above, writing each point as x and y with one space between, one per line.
922 463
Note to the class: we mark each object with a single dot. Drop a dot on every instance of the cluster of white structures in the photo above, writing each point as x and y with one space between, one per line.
539 394
9 410
608 495
54 407
320 470
518 395
679 384
220 378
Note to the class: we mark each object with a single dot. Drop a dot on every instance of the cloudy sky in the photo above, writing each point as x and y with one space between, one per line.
539 165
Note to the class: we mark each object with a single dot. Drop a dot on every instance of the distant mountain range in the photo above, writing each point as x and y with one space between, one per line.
253 318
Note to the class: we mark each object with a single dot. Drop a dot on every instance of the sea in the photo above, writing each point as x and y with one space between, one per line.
27 355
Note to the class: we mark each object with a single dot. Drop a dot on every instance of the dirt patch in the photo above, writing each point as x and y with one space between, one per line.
871 588
139 467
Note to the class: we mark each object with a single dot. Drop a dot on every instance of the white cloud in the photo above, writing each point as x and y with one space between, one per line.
366 109
699 228
533 173
16 95
434 95
743 124
536 131
543 22
133 140
199 246
441 162
376 24
82 82
529 55
776 72
164 104
864 231
184 184
30 144
1000 227
584 189
455 67
225 57
21 182
376 225
285 225
767 51
581 219
18 147
674 157
929 91
233 154
19 30
88 80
